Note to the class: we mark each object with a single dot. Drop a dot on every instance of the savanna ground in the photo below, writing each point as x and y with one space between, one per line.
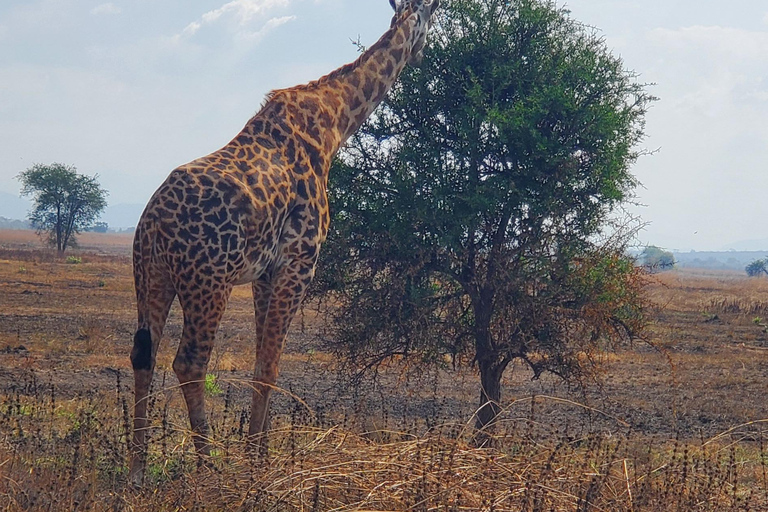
675 425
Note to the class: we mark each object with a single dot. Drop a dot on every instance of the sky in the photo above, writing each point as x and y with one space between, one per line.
130 89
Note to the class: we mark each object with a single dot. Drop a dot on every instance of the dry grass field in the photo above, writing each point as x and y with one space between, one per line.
677 424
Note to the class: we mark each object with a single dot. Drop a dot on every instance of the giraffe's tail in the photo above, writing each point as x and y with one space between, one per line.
141 355
143 245
155 293
143 352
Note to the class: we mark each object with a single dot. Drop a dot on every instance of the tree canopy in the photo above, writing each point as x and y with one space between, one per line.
65 202
657 259
757 268
468 211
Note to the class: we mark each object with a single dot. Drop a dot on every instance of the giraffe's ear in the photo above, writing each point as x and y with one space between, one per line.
393 4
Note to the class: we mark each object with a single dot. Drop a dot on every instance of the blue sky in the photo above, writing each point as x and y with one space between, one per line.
129 89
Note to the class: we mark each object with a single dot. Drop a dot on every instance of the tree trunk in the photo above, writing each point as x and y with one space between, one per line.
70 226
490 393
490 362
67 236
58 230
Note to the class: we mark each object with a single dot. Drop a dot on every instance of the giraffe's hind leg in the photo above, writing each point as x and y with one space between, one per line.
203 310
154 306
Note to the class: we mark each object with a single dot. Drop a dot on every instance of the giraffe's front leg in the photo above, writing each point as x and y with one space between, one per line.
276 301
262 292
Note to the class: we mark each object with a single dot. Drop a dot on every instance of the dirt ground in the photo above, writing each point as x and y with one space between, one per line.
70 324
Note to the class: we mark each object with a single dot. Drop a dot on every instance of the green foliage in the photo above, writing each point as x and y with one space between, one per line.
757 268
212 387
74 260
466 211
657 259
64 202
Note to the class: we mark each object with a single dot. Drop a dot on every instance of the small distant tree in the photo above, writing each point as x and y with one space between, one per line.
64 202
757 268
657 259
99 227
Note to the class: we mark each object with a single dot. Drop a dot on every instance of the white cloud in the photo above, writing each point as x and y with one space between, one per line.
106 8
190 29
239 15
727 43
716 68
243 10
268 27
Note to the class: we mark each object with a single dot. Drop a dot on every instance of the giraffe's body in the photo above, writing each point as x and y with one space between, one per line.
255 211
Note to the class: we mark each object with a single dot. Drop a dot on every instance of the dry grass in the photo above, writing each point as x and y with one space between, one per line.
113 243
680 428
69 455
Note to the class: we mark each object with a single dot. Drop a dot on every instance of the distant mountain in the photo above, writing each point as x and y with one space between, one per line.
13 207
760 244
724 260
14 224
122 215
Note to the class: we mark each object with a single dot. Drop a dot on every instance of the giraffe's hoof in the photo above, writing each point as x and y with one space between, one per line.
258 446
205 462
136 473
136 478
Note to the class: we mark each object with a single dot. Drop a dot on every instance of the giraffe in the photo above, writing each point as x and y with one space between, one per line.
254 211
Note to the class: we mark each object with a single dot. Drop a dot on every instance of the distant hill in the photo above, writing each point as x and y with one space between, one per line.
721 260
748 245
13 207
6 223
122 215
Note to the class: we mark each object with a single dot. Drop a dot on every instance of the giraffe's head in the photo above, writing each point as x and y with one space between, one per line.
418 13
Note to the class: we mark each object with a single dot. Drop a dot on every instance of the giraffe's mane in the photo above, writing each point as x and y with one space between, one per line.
339 72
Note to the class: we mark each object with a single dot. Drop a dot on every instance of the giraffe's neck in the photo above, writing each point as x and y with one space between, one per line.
368 80
326 112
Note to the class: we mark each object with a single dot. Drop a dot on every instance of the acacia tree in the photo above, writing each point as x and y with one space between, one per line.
65 202
757 268
657 259
467 211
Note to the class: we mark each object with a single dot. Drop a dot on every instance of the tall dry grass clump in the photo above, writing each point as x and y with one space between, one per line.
738 305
